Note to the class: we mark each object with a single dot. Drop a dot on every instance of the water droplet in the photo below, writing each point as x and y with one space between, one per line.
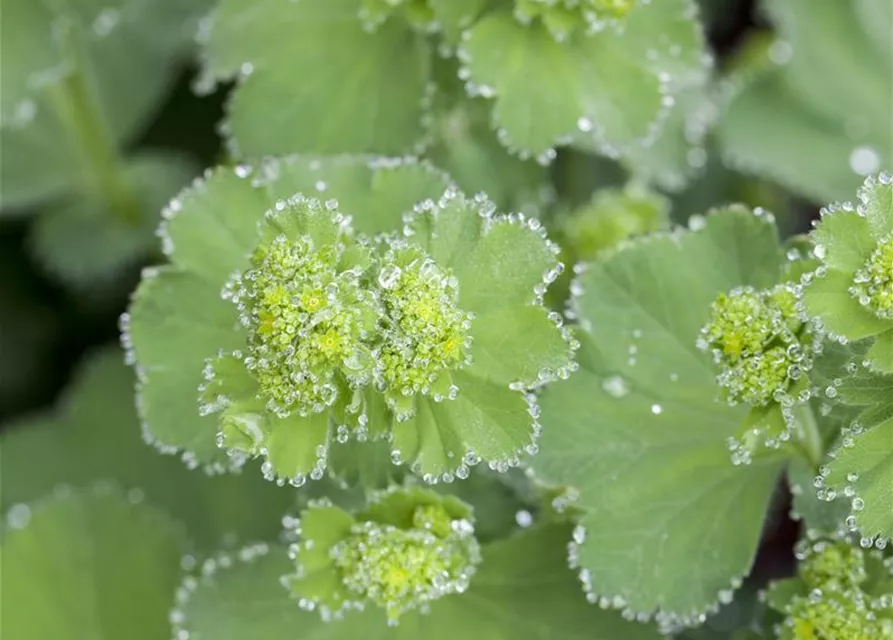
19 516
388 276
615 386
864 160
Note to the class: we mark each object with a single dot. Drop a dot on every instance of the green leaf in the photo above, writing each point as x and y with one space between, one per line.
84 244
521 590
455 16
678 153
91 565
845 239
763 129
861 468
605 88
356 91
80 80
505 355
849 292
641 430
787 109
875 17
95 435
816 515
828 298
466 146
178 320
822 61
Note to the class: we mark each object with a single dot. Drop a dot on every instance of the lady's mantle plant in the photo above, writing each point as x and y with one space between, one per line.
402 311
694 341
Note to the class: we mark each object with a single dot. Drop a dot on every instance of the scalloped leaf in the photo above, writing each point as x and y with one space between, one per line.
505 599
95 435
861 468
847 238
91 565
177 318
465 145
71 99
606 88
357 91
641 430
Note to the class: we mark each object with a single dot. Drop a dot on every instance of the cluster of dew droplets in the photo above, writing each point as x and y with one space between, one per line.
205 573
763 343
873 283
835 604
425 334
306 318
398 568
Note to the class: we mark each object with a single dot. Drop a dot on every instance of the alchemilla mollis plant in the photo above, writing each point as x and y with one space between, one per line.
453 338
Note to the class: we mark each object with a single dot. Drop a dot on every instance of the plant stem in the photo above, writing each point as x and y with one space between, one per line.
809 436
78 106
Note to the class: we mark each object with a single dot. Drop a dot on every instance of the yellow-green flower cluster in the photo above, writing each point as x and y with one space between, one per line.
873 284
425 334
308 322
565 17
836 602
760 342
402 569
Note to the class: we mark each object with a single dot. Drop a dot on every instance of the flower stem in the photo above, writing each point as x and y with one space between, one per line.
77 104
809 437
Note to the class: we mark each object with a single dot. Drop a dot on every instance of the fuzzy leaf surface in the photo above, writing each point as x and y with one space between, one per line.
864 459
521 590
641 430
91 565
357 91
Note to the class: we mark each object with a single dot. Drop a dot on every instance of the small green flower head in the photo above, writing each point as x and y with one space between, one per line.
425 335
407 549
874 282
836 616
563 18
418 13
851 292
832 565
307 316
835 596
612 216
761 343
